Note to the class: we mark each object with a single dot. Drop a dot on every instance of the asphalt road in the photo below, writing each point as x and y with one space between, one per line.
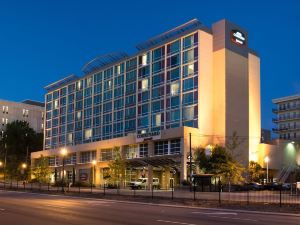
17 208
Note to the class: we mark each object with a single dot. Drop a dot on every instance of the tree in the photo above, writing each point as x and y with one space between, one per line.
41 171
17 142
256 172
117 167
220 163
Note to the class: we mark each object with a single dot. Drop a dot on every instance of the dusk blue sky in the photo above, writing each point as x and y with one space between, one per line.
43 41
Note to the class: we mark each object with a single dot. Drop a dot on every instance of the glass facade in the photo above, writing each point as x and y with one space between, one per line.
152 91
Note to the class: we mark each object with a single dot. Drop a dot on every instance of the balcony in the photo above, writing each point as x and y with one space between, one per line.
289 118
283 109
286 129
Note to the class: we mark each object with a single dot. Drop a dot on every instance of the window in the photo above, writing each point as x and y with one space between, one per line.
130 112
56 104
145 84
144 59
143 150
107 85
78 115
188 98
143 122
144 71
156 106
157 92
145 96
78 85
175 146
88 82
175 115
188 41
106 154
188 113
145 109
157 66
118 115
158 79
161 148
156 120
98 77
118 92
157 53
188 56
175 102
174 47
174 60
86 157
188 84
130 100
175 74
130 88
131 76
88 134
175 88
97 88
188 70
119 103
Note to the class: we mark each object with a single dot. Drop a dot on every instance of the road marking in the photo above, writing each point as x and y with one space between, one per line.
174 222
216 213
2 209
233 218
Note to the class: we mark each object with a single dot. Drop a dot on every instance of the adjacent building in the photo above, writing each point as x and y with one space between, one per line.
287 119
192 86
28 110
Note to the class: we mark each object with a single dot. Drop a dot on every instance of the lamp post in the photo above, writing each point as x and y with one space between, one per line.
23 168
63 152
267 159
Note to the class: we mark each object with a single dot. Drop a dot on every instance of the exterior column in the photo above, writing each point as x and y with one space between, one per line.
184 146
150 176
167 177
150 168
76 167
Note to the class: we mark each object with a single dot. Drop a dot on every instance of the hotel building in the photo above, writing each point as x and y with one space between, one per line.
190 83
28 110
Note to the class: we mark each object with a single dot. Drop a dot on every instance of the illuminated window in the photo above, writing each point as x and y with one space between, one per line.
69 138
156 120
5 109
188 70
175 87
79 85
144 59
56 104
78 115
145 84
88 134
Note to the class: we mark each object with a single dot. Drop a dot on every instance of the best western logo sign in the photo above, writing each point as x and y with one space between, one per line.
238 38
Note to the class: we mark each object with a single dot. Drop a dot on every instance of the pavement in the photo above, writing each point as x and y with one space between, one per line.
19 208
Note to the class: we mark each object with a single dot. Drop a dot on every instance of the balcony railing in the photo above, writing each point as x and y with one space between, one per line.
276 120
277 110
285 129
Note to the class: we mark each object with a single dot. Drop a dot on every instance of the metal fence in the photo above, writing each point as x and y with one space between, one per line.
217 194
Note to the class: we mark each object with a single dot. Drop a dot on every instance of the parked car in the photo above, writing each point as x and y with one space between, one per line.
142 183
286 186
272 186
254 186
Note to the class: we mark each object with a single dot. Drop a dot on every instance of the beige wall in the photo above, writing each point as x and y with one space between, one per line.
205 84
254 106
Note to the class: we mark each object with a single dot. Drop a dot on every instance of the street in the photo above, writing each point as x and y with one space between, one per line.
41 209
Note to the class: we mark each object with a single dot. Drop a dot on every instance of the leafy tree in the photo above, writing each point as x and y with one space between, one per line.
41 171
220 163
117 167
17 142
256 172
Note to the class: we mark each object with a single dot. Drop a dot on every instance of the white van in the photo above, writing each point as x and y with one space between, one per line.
142 183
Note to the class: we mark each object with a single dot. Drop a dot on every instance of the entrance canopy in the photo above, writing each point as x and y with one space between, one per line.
155 161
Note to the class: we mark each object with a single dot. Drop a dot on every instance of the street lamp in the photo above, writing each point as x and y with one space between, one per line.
63 152
267 160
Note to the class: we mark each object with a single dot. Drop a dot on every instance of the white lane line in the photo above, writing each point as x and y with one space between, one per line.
233 218
216 213
174 222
